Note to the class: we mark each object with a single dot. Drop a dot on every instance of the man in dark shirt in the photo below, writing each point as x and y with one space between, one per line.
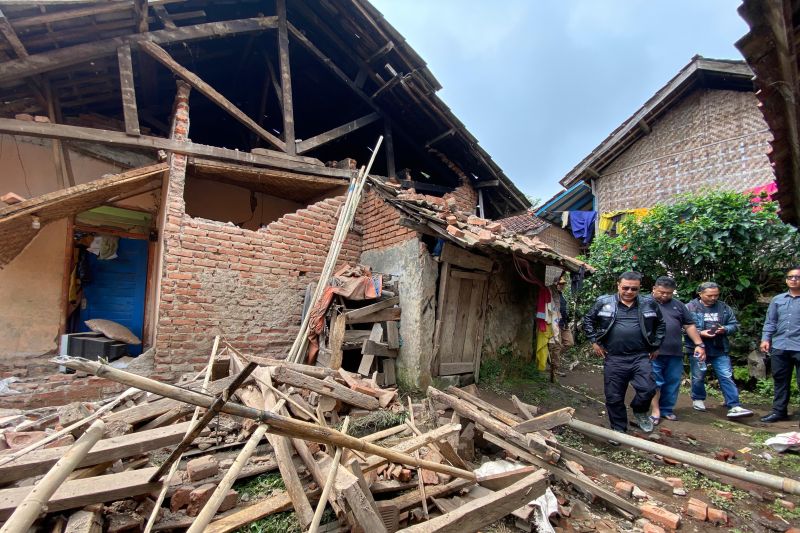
668 366
781 335
626 330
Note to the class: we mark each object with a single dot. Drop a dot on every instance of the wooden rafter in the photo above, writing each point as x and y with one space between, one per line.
335 133
116 138
161 55
128 90
140 11
73 55
70 14
164 17
60 150
11 36
286 79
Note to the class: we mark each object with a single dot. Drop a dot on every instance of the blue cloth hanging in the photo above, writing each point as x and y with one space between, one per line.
582 225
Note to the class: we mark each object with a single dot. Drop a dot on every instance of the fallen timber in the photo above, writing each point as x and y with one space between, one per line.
280 425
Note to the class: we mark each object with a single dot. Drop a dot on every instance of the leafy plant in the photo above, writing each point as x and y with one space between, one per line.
703 237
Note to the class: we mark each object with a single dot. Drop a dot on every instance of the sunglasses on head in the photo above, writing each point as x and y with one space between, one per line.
629 289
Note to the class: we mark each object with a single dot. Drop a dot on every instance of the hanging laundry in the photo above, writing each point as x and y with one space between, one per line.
565 219
542 352
582 224
104 247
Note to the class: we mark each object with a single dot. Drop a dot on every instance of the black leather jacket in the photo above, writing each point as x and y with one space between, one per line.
600 319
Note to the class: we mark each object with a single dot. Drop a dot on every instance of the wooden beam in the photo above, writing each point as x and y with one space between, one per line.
102 9
440 137
372 308
335 133
78 133
161 55
140 15
484 184
549 420
384 315
11 36
286 78
464 259
128 90
81 53
414 443
391 171
328 388
422 186
164 17
483 511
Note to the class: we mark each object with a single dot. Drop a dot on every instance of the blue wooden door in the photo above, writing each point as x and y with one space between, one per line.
117 288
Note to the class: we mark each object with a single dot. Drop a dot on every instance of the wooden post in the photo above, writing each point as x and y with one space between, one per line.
128 90
286 78
35 503
326 490
211 507
391 172
279 425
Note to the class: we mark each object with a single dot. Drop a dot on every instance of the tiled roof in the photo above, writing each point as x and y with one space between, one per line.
524 223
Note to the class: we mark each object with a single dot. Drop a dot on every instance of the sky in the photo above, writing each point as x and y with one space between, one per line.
540 83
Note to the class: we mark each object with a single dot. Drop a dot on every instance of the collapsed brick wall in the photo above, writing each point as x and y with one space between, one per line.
380 223
713 139
247 286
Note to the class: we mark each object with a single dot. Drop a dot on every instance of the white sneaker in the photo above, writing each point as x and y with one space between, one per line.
698 405
739 412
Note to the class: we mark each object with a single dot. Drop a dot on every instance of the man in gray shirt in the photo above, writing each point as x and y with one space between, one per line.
781 339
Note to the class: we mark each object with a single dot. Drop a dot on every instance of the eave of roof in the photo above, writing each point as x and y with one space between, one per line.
576 198
700 71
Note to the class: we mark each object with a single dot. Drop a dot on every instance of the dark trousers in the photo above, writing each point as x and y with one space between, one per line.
619 371
783 362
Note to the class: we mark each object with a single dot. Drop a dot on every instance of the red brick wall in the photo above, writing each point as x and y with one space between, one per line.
379 222
465 196
711 140
247 286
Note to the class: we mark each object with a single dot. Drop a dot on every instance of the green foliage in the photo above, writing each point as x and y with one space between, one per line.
783 512
260 486
712 237
506 372
374 422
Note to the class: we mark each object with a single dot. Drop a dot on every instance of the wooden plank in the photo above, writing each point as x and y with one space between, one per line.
128 90
379 349
448 324
549 420
367 361
483 511
277 502
484 184
81 53
424 186
83 492
389 375
40 461
444 276
411 499
78 133
393 313
602 466
472 343
388 140
462 311
414 443
164 17
161 55
338 329
69 14
464 259
527 411
392 335
356 336
335 133
451 369
7 30
347 487
328 388
501 414
372 308
504 479
479 333
85 522
286 78
470 275
140 13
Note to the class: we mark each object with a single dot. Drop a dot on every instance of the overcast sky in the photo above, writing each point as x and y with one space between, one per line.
540 83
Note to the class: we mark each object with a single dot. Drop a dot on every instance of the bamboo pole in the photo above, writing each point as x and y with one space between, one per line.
326 490
168 478
211 507
280 425
783 484
420 482
58 434
35 503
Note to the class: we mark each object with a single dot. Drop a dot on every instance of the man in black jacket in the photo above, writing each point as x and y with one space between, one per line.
626 330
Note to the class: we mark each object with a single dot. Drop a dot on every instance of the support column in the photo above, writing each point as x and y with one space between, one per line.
286 79
389 141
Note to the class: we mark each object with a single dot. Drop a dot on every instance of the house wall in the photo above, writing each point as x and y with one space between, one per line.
562 242
711 140
510 311
380 224
31 313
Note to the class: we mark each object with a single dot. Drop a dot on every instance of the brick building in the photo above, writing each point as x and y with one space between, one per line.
219 225
702 131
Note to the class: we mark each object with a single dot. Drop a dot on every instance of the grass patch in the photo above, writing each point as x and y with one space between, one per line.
260 486
286 522
507 373
374 421
783 512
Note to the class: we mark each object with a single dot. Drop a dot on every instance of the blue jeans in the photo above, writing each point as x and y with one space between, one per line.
724 371
668 371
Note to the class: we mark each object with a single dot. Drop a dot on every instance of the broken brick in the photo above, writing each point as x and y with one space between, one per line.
494 227
179 499
624 489
485 236
199 497
697 509
454 231
21 439
724 455
405 475
24 116
717 516
661 516
201 468
725 494
786 504
451 219
649 527
229 502
669 461
675 482
477 221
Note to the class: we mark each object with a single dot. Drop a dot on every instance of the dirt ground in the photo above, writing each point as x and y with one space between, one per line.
749 507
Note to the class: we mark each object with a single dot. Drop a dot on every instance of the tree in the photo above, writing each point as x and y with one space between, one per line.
721 237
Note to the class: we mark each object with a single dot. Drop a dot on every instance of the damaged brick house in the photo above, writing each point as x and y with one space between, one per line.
220 208
702 131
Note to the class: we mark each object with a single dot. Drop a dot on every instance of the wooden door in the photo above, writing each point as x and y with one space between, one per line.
460 320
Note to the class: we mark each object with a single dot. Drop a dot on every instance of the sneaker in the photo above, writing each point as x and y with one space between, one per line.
698 405
644 421
739 412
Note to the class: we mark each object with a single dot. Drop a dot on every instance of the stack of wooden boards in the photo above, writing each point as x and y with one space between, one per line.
420 476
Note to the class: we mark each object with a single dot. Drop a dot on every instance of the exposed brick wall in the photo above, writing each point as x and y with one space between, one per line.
379 222
465 196
561 241
58 389
247 286
712 139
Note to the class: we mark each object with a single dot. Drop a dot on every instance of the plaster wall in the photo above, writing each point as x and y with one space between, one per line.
510 310
30 289
418 274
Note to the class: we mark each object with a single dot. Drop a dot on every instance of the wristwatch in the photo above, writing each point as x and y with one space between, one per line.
700 345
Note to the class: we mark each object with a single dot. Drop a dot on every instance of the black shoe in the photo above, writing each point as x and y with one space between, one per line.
774 417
